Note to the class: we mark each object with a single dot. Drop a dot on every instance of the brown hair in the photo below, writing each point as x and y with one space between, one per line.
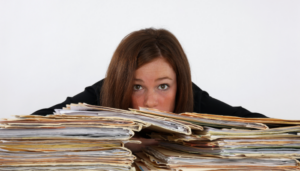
136 49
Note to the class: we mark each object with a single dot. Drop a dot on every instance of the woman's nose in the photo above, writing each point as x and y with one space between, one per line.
151 100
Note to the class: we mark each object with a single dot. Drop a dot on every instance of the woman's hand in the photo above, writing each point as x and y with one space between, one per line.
138 147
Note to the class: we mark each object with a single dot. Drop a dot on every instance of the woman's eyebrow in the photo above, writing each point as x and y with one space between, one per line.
162 78
158 79
140 80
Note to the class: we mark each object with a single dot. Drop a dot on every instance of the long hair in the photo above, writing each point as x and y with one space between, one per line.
136 49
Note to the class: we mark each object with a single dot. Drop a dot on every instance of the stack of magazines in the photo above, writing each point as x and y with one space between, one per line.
57 142
226 143
78 137
87 137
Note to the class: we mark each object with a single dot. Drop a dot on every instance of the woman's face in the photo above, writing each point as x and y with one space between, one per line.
155 86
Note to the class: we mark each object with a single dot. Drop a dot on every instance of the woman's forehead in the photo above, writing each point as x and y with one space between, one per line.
155 70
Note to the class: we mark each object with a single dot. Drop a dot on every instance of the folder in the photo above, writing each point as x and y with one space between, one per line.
173 160
213 120
151 122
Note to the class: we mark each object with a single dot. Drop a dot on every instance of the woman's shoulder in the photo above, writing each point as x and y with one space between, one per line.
204 103
90 95
197 95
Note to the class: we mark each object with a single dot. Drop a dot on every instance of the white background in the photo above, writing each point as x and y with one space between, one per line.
245 53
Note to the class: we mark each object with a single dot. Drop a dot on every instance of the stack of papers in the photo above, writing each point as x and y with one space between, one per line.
205 121
271 122
78 137
275 142
87 137
152 122
156 158
226 143
66 143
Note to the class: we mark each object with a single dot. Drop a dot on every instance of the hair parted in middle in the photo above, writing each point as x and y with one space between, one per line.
135 50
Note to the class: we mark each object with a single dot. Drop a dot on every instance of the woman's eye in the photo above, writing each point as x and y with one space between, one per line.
137 87
163 86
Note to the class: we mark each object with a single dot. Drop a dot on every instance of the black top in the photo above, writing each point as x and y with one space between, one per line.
203 103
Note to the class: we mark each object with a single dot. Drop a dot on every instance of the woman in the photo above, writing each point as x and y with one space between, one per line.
150 69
